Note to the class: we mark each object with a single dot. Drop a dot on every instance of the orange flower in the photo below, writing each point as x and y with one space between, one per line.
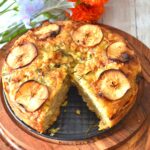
94 2
90 2
87 10
83 12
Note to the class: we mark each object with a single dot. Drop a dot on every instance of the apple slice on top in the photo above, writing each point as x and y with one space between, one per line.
119 51
21 56
87 35
113 84
52 30
31 95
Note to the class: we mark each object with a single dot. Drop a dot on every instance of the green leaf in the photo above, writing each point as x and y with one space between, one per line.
53 10
58 5
8 35
7 8
3 2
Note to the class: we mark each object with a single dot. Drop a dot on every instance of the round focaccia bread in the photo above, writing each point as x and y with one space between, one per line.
43 63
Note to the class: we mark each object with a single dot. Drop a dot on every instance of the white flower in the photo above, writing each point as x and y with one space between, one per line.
28 9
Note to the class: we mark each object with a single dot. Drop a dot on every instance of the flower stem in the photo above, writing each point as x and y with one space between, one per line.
7 8
2 2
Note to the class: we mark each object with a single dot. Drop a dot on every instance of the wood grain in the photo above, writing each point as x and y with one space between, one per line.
129 127
142 20
131 16
120 16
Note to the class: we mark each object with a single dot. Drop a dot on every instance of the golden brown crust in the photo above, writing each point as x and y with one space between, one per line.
59 56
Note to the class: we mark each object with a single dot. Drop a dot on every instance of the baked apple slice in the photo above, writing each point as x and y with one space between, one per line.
52 30
21 56
118 51
87 35
113 84
31 95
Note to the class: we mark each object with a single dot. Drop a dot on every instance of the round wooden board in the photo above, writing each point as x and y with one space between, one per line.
19 138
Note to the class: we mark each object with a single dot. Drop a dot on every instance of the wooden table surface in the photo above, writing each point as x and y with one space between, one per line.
132 16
